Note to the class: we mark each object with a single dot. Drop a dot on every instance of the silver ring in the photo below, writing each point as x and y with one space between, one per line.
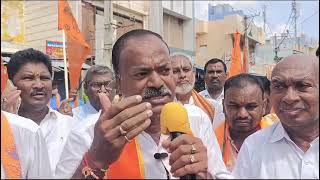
193 149
192 159
122 132
127 139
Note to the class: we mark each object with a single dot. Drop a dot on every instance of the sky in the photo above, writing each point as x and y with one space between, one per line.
277 14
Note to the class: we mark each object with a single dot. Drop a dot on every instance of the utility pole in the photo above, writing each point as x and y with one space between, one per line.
246 45
295 17
246 41
276 48
109 33
264 18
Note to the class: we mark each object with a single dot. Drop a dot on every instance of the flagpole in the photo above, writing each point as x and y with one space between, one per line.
65 65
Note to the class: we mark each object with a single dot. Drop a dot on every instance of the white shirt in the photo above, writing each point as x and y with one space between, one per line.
271 154
31 148
82 112
80 141
218 107
56 128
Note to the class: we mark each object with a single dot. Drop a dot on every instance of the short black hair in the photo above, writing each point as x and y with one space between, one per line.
266 83
122 41
214 61
25 56
238 81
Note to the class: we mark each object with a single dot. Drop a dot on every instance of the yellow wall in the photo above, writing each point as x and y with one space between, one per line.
217 35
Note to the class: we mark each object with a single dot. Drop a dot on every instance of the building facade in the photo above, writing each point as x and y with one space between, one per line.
174 20
214 39
219 11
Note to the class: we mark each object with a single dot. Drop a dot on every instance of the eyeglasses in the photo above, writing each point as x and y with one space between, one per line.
108 85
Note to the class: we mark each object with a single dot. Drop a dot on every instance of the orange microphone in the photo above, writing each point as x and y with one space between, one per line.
174 121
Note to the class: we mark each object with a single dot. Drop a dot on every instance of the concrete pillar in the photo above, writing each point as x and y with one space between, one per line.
109 34
156 17
189 36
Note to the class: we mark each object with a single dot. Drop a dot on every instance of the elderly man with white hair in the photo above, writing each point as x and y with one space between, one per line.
184 75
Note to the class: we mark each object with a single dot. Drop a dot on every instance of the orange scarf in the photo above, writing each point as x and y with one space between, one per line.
130 164
268 120
9 156
221 133
203 104
58 98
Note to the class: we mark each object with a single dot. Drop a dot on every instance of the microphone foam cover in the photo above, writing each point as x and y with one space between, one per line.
174 118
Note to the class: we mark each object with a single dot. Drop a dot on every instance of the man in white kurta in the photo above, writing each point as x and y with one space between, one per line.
215 76
30 71
288 149
80 141
31 148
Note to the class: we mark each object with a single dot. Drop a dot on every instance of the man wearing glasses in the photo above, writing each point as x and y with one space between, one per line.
99 79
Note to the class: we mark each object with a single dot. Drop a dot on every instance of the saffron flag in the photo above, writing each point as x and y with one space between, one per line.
4 76
236 65
77 48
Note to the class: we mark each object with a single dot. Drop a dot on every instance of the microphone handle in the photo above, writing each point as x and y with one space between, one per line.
173 136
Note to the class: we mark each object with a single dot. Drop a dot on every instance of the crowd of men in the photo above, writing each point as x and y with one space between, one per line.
244 126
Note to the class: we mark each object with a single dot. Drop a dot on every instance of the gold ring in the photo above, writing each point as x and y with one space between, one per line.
193 149
4 100
192 159
127 139
122 132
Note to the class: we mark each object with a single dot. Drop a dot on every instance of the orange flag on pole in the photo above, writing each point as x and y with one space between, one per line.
4 76
236 65
77 48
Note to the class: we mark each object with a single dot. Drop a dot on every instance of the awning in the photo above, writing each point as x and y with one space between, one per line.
59 65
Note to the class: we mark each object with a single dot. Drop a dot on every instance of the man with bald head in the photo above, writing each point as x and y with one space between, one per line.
292 144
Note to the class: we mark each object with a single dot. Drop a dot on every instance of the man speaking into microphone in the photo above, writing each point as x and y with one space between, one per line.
125 140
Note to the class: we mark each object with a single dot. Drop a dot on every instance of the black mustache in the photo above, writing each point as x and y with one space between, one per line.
154 92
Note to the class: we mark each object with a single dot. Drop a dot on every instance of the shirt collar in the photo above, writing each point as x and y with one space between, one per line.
207 95
279 133
221 96
315 142
191 101
88 107
51 115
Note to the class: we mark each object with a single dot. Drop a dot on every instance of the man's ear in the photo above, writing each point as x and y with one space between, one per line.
223 107
118 85
85 86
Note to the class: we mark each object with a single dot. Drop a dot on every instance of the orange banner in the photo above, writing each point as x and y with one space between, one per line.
4 76
77 48
236 65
